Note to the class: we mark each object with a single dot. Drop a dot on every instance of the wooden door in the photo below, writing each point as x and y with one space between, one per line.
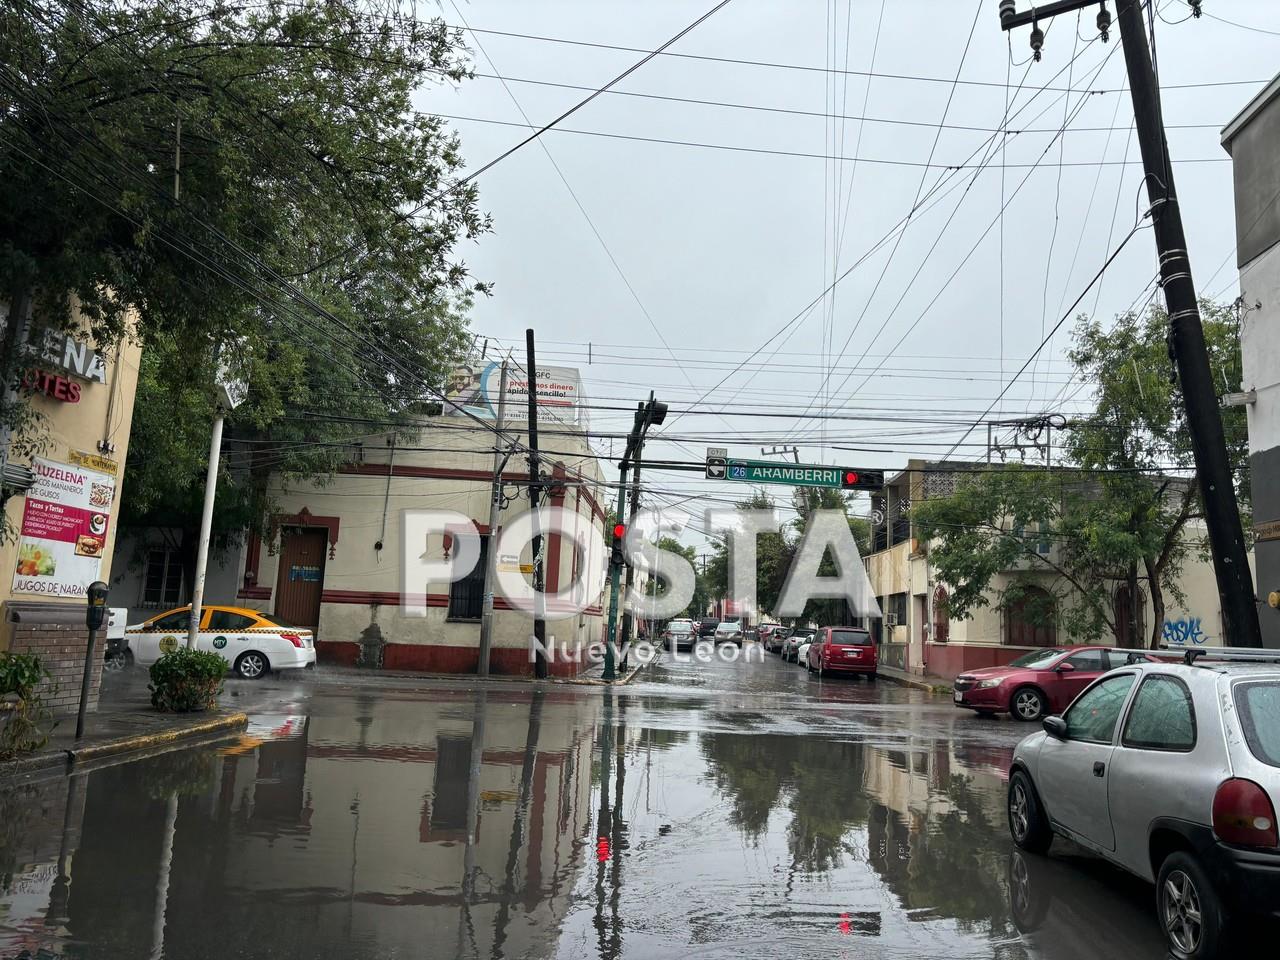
301 578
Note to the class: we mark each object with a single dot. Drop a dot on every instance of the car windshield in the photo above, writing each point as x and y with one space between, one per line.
677 626
1037 658
1258 705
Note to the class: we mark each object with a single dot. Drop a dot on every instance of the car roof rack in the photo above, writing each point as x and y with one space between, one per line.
1236 654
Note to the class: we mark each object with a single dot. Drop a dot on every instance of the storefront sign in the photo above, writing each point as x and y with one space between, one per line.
52 385
93 462
1267 530
64 529
68 353
476 389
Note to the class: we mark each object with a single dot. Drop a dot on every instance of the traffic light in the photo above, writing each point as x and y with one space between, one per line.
619 535
602 850
851 479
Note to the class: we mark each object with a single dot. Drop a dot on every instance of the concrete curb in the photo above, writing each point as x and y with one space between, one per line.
917 682
135 743
162 738
597 682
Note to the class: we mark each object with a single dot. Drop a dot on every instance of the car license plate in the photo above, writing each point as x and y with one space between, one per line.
853 653
959 697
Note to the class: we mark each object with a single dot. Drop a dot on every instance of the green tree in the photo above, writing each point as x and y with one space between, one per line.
316 231
1124 503
806 500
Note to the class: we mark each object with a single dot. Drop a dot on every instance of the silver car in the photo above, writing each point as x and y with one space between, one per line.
1171 771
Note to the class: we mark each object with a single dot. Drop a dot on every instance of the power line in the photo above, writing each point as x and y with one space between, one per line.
818 114
856 73
807 155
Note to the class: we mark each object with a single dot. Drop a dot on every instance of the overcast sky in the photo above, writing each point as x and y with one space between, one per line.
723 247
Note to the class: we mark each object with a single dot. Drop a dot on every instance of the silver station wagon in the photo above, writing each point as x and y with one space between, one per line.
1171 771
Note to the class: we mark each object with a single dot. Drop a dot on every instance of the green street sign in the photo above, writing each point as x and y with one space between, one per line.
801 475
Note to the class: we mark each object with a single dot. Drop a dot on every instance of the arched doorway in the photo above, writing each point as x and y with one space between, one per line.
1120 611
941 614
1029 621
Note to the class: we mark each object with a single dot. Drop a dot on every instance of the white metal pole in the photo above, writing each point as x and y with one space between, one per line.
206 526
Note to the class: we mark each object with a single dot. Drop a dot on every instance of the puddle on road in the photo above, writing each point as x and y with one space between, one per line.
752 817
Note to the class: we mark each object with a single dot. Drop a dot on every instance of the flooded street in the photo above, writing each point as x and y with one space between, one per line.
707 810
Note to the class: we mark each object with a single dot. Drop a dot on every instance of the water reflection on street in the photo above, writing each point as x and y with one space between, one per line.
708 810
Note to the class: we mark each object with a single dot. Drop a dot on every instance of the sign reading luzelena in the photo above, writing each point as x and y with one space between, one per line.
64 529
475 388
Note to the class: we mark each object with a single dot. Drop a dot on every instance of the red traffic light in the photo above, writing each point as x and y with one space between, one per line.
619 531
850 477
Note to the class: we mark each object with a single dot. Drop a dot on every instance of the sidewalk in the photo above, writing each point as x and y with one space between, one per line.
931 684
123 724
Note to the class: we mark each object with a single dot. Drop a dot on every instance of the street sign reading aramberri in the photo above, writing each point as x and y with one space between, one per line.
715 468
802 475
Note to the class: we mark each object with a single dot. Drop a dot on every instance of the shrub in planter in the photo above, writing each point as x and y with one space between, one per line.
24 719
186 680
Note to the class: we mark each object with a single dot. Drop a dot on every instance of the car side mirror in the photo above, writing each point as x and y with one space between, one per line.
1064 667
1055 727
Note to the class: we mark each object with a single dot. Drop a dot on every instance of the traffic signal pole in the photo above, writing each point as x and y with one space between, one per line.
615 571
1186 334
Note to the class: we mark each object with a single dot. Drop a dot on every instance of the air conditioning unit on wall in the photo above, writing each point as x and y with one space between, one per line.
890 620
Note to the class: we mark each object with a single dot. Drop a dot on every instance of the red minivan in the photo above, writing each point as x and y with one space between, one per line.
843 650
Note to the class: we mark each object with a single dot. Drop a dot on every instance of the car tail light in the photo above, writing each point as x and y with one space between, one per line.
1243 814
293 638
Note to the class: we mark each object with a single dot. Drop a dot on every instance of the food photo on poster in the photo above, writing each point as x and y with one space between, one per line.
64 529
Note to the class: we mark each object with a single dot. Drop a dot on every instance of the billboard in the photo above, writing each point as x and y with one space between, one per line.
475 388
64 529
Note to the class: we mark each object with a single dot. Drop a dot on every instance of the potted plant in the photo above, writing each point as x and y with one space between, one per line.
23 716
187 681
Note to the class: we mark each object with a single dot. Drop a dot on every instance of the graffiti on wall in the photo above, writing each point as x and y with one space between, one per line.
1183 630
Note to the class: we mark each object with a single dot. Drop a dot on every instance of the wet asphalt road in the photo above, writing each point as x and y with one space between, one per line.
707 810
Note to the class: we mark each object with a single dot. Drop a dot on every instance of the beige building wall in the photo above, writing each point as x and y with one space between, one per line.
89 433
362 615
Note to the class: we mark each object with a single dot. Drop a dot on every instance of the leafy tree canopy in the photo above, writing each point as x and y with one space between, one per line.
315 234
1122 505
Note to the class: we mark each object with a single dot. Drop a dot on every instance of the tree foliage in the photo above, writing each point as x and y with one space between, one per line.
1122 505
776 551
315 236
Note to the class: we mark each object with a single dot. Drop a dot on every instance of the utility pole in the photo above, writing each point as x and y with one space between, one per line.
628 615
500 457
647 415
535 502
1186 334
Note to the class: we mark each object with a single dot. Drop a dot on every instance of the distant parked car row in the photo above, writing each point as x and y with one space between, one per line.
827 650
682 633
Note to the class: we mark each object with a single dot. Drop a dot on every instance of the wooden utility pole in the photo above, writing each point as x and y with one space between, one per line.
1186 334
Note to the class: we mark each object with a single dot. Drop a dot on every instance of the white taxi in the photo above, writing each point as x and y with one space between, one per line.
251 642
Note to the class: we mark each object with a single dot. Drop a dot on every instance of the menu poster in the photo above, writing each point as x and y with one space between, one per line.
64 529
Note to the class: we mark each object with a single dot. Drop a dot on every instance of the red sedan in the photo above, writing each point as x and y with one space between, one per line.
1038 683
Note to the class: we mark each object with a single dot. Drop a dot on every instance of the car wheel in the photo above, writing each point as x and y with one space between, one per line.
871 677
1192 915
251 665
116 662
1028 704
1028 824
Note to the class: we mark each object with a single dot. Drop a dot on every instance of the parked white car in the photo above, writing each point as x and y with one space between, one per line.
1172 772
252 643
